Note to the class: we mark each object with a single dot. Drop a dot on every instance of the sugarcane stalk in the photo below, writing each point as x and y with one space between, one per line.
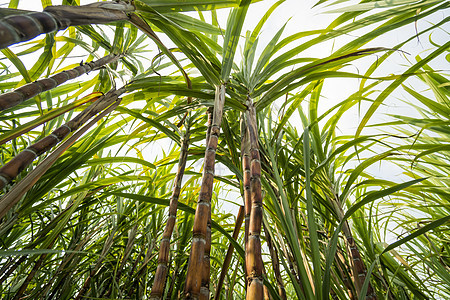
19 28
245 156
358 268
203 210
11 169
228 256
30 90
275 264
164 249
254 263
206 269
23 186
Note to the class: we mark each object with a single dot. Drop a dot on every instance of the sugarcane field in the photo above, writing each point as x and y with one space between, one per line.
225 149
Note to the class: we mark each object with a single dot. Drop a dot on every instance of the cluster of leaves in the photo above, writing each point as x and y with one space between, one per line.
91 225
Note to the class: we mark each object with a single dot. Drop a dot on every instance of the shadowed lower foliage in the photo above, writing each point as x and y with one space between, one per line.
140 192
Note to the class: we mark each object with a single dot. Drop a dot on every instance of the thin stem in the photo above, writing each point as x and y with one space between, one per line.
164 249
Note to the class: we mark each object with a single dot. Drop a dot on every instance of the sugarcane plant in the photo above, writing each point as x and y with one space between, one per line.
253 258
164 248
141 191
201 241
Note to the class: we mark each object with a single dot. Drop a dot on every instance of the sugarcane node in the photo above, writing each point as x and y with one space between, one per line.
61 77
251 261
204 292
255 292
46 21
44 144
205 194
195 261
213 141
215 130
255 188
206 270
254 153
81 70
199 228
61 132
255 170
158 277
8 35
30 90
74 123
47 83
72 73
4 180
25 26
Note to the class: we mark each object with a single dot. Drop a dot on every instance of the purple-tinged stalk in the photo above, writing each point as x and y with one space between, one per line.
20 28
245 156
204 289
253 258
164 249
203 211
19 95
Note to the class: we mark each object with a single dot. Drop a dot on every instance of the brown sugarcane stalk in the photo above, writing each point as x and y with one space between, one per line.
253 259
360 271
275 264
164 249
245 156
204 289
203 210
206 268
24 185
11 169
32 89
358 268
19 28
228 256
